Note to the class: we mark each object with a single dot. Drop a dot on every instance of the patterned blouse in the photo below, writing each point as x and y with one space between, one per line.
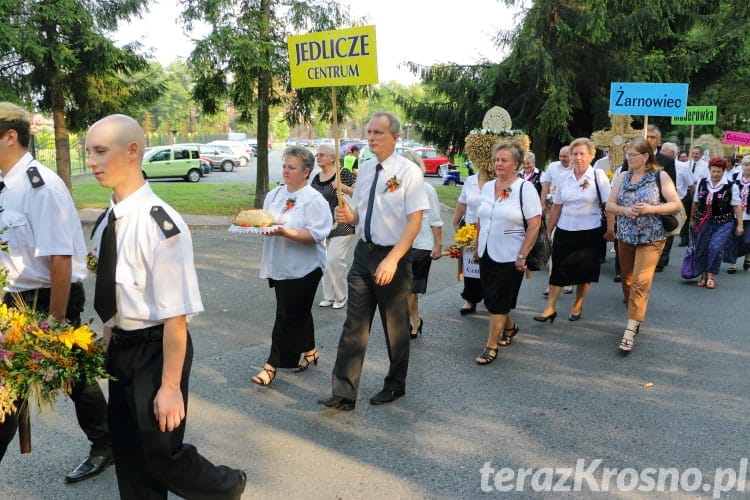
328 189
645 228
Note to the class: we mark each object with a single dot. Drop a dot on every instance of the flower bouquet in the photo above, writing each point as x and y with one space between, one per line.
40 357
465 241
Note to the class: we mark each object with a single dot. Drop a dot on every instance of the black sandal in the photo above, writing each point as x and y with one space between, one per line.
262 381
306 360
488 356
506 338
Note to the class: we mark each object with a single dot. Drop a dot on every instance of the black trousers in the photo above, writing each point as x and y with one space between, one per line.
687 202
293 330
149 462
89 401
364 297
664 257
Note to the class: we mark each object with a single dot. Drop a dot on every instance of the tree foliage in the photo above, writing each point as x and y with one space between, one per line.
54 54
563 55
244 61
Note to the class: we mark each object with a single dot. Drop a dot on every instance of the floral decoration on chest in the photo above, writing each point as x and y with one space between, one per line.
392 185
289 204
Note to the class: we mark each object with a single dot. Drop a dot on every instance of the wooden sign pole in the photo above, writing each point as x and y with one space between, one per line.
339 192
645 126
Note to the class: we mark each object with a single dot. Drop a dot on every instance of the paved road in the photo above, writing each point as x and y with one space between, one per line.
560 393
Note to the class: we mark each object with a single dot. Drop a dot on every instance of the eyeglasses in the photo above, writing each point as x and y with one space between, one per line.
633 155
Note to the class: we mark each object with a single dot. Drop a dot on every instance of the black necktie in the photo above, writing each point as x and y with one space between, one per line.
693 167
104 290
2 186
370 203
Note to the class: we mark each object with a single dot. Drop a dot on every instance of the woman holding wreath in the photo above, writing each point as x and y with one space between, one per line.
294 257
636 202
503 244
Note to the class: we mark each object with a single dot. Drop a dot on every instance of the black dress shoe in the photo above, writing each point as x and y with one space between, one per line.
386 396
93 465
241 482
659 269
337 403
468 310
617 278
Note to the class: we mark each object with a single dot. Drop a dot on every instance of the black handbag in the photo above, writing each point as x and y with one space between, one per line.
539 254
672 223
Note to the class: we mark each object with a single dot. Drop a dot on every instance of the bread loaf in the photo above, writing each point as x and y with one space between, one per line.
253 218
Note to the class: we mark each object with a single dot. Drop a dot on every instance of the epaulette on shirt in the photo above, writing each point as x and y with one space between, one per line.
35 177
164 221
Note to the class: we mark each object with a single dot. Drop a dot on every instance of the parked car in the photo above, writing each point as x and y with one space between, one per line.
177 160
365 153
220 157
434 163
240 149
346 144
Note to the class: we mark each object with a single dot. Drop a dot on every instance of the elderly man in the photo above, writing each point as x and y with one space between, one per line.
145 311
551 174
47 265
388 200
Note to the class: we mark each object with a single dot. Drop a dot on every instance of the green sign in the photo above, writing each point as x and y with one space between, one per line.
696 115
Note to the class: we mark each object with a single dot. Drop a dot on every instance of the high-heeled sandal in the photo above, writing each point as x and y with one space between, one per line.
507 338
258 379
488 356
626 344
305 360
702 281
418 332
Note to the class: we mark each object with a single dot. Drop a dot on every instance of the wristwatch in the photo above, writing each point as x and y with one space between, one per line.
521 256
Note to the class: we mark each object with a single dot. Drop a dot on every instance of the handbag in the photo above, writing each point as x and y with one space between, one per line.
672 223
539 254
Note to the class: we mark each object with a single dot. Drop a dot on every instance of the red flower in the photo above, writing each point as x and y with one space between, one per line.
392 184
289 204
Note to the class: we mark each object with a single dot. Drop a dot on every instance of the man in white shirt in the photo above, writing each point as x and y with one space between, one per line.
603 163
698 166
685 185
388 201
551 174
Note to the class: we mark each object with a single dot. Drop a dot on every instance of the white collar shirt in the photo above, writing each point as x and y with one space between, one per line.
391 205
155 275
470 195
40 222
579 199
501 228
699 169
425 239
283 258
552 176
685 178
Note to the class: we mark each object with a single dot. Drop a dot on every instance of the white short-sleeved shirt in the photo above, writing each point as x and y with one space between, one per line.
552 175
699 169
580 205
425 240
501 230
391 207
470 195
685 178
155 274
41 222
283 258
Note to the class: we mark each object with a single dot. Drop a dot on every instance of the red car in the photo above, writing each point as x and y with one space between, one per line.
433 161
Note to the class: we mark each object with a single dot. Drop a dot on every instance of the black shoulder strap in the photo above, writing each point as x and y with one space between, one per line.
520 199
98 221
35 177
658 185
164 221
596 183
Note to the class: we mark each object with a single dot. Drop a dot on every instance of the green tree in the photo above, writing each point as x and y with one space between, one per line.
244 60
55 53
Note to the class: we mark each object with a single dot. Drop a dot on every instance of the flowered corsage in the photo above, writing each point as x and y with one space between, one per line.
392 184
91 262
584 184
289 204
505 193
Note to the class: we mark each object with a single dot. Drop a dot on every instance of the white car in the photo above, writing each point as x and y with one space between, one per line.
240 149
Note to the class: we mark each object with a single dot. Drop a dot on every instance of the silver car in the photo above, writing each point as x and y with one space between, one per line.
220 157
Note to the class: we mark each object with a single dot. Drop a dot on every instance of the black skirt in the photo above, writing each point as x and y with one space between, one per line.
501 282
420 268
576 257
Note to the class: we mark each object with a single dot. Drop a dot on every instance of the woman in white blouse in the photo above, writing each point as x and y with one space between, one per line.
507 204
579 241
293 261
466 208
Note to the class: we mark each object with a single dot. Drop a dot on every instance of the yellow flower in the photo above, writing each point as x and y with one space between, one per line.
466 234
81 336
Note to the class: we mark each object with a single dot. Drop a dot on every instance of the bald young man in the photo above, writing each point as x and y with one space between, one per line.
145 310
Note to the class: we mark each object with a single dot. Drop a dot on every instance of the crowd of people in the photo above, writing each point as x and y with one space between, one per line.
147 289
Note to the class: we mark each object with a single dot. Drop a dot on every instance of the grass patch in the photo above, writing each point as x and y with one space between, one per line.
448 195
185 197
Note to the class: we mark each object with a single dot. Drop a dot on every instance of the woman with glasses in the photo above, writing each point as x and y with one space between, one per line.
341 237
636 202
578 245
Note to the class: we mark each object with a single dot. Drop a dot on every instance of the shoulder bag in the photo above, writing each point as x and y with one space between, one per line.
672 223
539 254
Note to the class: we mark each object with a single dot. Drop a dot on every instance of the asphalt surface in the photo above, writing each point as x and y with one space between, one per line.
560 393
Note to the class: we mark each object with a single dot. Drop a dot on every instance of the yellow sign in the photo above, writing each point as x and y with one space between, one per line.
743 150
334 58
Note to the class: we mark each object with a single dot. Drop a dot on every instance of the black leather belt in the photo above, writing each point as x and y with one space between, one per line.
373 246
126 338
